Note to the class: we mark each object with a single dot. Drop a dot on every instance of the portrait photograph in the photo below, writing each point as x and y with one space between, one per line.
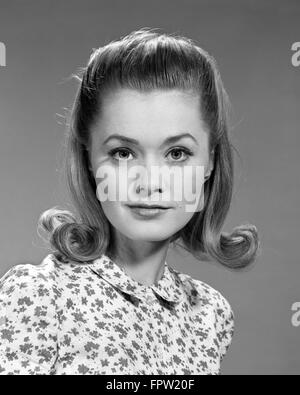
150 190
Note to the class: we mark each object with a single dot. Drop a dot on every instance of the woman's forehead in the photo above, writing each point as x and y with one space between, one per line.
126 97
158 114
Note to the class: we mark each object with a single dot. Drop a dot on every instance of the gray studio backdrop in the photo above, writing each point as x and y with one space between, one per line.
46 41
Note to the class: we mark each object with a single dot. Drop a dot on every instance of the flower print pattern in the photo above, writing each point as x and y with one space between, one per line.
65 318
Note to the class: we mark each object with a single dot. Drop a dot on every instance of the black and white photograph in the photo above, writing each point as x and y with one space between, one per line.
149 167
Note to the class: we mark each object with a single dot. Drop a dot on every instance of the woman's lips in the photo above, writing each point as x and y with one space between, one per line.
143 212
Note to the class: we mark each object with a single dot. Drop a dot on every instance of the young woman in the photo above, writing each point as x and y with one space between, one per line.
105 301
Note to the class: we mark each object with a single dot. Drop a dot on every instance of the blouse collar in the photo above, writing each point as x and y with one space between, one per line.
169 287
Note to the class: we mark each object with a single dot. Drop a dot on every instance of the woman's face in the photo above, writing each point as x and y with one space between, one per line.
120 167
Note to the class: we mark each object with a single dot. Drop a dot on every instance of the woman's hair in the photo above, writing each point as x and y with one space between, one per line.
146 60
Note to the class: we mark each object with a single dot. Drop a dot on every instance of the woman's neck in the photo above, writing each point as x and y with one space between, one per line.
142 260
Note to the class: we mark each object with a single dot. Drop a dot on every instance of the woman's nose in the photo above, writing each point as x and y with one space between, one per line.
149 181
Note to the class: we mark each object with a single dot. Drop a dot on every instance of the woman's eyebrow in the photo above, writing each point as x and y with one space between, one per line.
168 140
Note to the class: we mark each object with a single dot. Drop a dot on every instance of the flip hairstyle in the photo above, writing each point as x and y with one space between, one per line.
147 60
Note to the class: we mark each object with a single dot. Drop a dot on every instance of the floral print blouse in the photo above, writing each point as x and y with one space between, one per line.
65 318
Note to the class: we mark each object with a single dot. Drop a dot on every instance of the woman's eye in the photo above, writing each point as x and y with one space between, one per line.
180 150
122 150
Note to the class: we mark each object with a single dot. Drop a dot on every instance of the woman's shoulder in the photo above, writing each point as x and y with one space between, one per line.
203 297
52 276
29 289
200 290
48 269
28 272
36 279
